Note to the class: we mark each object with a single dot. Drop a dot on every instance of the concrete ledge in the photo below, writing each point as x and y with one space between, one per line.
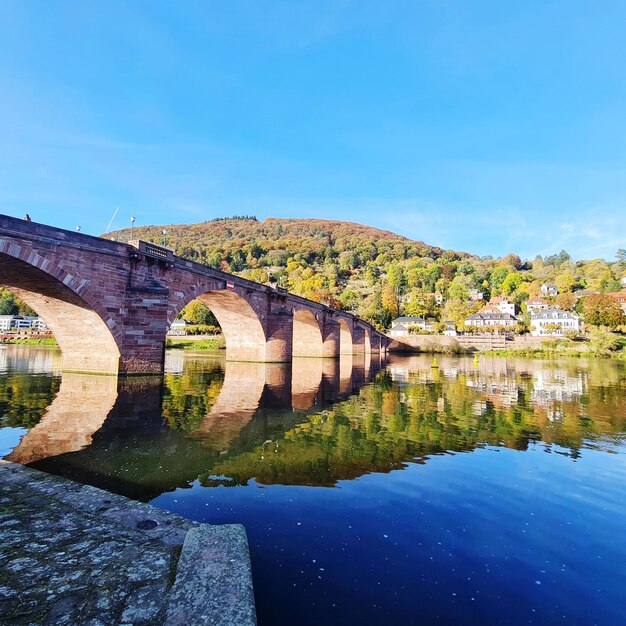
213 584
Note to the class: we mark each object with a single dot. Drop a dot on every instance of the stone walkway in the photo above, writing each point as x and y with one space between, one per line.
73 554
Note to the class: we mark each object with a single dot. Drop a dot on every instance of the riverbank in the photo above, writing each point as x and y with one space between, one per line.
600 344
196 342
30 341
71 553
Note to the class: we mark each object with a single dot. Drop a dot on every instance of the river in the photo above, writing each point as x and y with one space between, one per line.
486 491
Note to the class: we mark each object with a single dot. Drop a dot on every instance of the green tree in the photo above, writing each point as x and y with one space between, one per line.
511 283
198 313
458 290
496 279
7 303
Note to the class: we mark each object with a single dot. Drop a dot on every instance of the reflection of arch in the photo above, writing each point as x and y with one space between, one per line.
235 406
76 413
345 337
307 336
243 332
86 340
305 382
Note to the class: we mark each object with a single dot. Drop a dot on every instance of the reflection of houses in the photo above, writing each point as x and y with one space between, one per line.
490 317
402 326
537 304
24 359
556 386
550 322
502 392
549 290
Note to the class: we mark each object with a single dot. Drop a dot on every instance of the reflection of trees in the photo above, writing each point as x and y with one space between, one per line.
244 425
387 425
25 397
188 397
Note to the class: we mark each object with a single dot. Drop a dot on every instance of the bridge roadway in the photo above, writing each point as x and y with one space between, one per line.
110 304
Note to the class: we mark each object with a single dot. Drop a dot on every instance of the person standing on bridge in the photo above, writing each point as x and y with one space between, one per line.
27 218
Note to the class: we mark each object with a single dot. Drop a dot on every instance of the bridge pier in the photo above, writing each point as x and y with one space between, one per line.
279 347
331 338
358 340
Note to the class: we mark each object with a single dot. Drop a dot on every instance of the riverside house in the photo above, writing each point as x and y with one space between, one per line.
536 304
549 290
402 326
490 317
21 322
553 322
503 304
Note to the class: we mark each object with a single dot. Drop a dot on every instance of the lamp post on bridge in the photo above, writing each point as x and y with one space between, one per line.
132 222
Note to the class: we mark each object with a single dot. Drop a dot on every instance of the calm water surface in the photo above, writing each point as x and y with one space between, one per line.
480 492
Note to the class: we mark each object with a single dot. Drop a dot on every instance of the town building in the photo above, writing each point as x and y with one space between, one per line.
402 326
553 322
536 304
502 304
178 327
475 295
438 298
623 281
585 292
549 290
450 329
489 317
21 322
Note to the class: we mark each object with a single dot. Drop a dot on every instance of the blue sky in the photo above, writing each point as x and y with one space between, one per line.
482 126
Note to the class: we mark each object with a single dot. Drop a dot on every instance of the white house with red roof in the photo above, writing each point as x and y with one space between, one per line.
503 304
536 304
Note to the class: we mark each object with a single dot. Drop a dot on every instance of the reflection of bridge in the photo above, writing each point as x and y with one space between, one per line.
110 304
87 408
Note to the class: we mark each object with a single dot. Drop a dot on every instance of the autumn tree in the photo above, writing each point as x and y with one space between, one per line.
421 304
564 283
390 301
603 310
566 301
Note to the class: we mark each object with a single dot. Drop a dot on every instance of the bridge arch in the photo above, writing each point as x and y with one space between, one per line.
87 335
307 334
242 328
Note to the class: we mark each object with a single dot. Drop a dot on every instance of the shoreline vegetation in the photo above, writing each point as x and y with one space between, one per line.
601 345
203 343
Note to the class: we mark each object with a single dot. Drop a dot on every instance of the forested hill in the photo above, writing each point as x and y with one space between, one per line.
374 273
273 241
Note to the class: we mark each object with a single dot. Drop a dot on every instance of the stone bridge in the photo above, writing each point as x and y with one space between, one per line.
110 304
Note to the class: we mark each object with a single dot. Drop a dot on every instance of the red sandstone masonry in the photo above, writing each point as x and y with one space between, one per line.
110 304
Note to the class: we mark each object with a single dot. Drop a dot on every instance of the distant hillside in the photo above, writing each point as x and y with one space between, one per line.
315 238
376 274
